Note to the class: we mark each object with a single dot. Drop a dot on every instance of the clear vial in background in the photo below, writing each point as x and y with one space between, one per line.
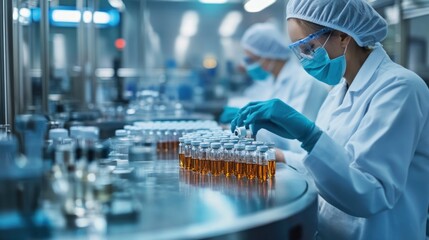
239 160
215 159
4 130
103 184
182 152
58 135
271 159
204 158
188 157
194 155
262 163
120 145
228 159
251 162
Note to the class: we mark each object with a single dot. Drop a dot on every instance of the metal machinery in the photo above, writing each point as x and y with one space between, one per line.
179 204
157 200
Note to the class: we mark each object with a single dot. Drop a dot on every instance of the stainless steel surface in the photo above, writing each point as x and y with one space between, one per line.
179 204
92 53
17 52
44 47
79 84
6 63
415 8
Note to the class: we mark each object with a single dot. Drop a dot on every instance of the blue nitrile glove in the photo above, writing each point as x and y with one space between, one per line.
279 118
228 114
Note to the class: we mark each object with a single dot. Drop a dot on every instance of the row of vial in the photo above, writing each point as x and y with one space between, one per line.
162 134
243 158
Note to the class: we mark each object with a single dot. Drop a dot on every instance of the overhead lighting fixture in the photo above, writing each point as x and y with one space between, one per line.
189 25
213 1
181 47
101 17
230 23
87 16
15 14
118 4
257 5
209 62
66 16
25 12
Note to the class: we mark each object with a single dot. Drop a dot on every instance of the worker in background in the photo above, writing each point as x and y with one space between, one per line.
277 74
368 151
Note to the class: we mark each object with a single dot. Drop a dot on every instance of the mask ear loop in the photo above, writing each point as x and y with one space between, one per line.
345 50
327 39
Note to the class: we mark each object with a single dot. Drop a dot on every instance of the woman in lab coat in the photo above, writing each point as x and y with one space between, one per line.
277 74
368 152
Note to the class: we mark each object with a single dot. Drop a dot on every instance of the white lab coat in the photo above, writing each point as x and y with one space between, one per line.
300 91
371 164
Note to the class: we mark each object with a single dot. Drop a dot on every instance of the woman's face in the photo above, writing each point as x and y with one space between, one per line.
297 31
265 63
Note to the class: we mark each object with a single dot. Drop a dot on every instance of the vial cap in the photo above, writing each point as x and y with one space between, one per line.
262 148
250 148
120 133
181 139
215 145
240 132
257 143
228 145
75 131
89 133
58 133
196 143
205 145
188 141
239 146
128 127
235 138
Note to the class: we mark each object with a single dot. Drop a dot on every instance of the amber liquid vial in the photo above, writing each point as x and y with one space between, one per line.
271 169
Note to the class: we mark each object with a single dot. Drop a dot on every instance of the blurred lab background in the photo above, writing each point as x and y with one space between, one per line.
118 60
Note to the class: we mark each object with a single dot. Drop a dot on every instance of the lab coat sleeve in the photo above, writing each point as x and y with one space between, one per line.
369 173
295 160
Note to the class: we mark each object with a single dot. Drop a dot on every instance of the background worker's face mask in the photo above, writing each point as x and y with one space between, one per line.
256 72
317 63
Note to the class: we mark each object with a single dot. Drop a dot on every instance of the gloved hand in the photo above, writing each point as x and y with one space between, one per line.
279 118
228 114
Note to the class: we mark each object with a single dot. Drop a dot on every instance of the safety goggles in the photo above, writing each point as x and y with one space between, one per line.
249 61
306 47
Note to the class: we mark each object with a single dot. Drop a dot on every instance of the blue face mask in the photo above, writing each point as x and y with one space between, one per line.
324 69
256 72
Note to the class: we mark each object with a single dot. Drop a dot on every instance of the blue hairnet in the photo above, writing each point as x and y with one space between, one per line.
354 17
266 41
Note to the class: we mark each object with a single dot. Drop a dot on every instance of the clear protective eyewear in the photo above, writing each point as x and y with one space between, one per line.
306 47
248 61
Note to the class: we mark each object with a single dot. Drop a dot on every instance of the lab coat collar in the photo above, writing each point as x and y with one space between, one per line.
368 69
